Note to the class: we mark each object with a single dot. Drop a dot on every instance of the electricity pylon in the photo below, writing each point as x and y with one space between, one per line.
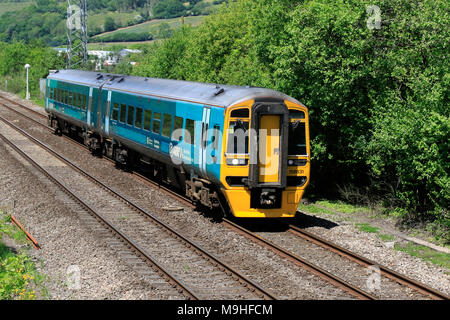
77 39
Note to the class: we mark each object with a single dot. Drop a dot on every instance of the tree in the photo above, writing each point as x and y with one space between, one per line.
110 24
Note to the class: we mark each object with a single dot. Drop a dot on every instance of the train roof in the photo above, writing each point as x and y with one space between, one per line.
204 93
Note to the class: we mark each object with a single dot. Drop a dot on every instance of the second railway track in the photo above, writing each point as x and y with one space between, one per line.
287 253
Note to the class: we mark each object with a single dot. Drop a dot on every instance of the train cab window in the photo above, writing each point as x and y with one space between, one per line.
156 123
123 113
189 135
297 138
238 134
147 119
167 125
240 113
177 124
296 114
130 118
115 112
138 120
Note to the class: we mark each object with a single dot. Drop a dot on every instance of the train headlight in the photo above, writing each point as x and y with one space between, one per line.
237 162
297 162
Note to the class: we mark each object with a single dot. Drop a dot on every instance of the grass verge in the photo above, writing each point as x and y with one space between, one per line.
439 258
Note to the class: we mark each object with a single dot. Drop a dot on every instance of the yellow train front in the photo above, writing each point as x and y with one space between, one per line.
266 160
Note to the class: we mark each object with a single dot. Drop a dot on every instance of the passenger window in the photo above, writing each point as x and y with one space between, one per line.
147 119
70 95
177 124
138 121
123 112
167 124
115 112
189 133
130 118
84 102
157 123
76 100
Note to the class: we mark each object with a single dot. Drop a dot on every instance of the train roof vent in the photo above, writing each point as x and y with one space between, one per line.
121 79
99 76
219 90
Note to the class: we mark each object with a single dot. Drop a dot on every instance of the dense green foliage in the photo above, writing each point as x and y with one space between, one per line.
13 58
377 94
45 20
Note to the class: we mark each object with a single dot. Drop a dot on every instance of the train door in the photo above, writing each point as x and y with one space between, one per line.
101 111
203 159
269 149
90 110
107 110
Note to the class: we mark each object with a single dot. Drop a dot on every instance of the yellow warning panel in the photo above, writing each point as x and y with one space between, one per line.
269 149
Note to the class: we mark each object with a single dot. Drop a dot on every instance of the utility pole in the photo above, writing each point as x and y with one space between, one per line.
77 55
27 97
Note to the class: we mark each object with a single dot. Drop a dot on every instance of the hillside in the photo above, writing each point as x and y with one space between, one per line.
156 29
45 20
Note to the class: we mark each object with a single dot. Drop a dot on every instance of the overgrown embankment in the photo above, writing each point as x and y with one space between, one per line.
19 279
374 74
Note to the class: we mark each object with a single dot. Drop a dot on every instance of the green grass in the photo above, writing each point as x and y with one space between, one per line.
439 258
19 279
365 227
314 209
386 237
98 20
12 6
152 26
342 207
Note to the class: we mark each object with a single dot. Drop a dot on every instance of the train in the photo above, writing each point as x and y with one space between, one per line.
242 150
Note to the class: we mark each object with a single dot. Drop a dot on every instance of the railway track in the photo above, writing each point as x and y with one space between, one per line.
159 245
344 285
